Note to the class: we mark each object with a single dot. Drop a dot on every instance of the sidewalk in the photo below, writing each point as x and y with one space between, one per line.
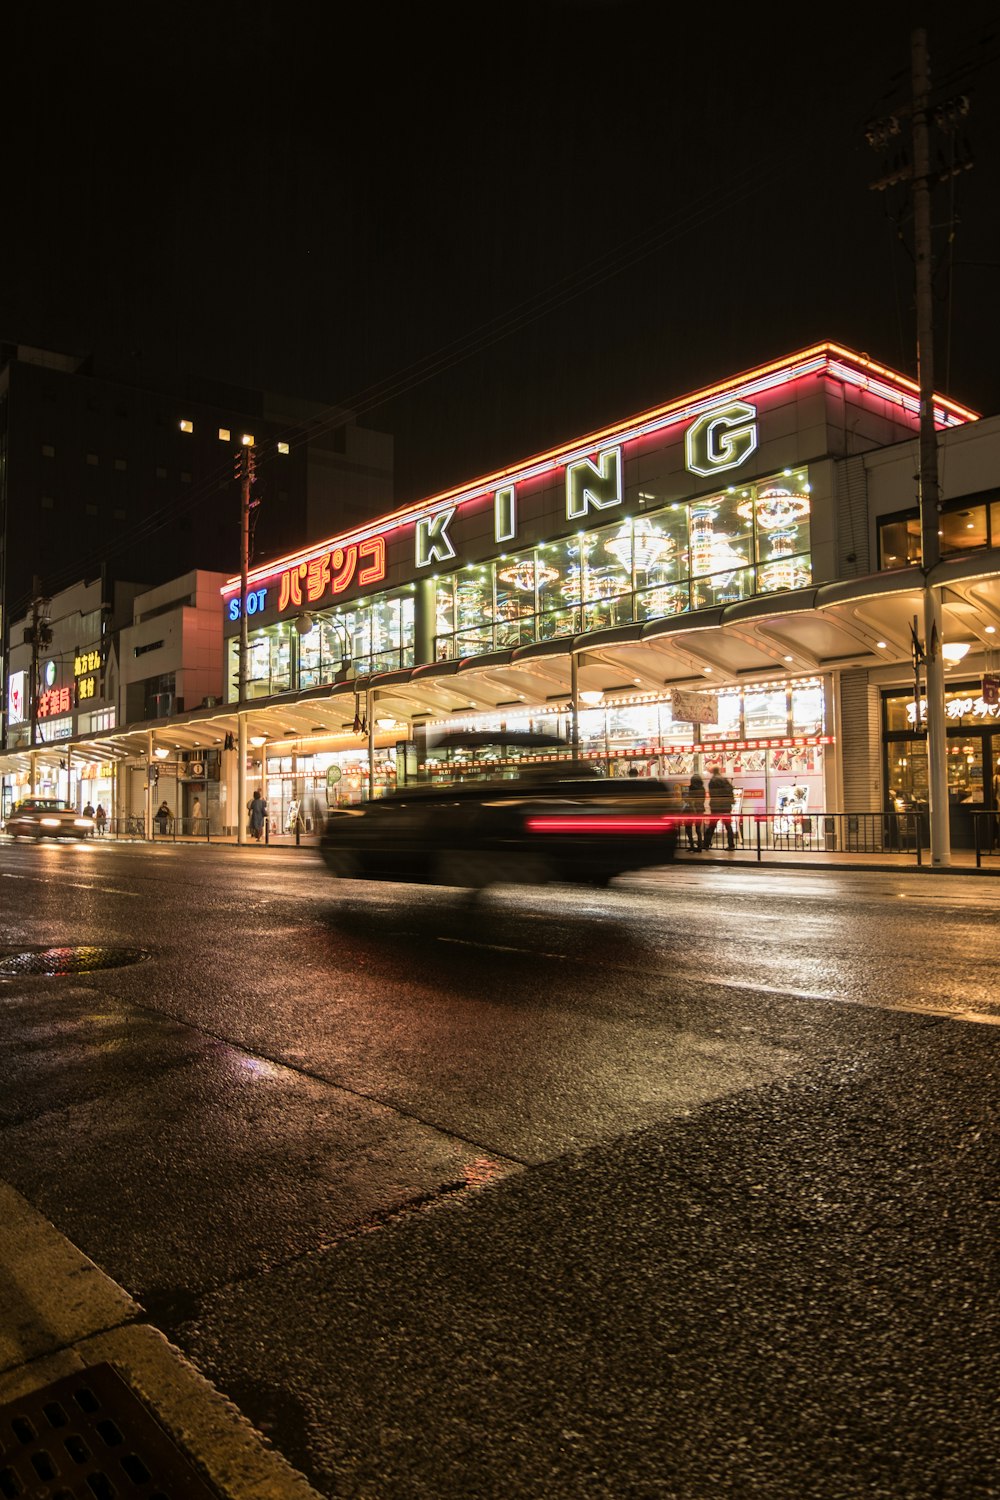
963 861
62 1317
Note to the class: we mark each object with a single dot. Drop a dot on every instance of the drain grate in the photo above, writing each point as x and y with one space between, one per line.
89 1437
78 960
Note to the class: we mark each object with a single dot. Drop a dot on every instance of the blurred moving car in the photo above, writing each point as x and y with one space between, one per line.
47 817
552 823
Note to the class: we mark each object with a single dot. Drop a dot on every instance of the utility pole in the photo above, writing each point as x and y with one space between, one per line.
881 134
930 506
246 471
38 634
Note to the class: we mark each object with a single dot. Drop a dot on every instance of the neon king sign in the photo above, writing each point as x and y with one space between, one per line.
719 440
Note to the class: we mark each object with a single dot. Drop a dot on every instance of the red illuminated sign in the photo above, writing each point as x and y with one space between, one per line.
332 572
54 701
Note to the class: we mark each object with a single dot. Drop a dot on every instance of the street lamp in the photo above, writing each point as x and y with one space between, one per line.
304 623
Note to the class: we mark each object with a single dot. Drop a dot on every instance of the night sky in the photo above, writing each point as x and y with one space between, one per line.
487 227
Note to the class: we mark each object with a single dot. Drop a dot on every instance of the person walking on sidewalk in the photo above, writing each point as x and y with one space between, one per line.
720 807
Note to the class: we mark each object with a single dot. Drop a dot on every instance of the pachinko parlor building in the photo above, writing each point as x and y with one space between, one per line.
728 579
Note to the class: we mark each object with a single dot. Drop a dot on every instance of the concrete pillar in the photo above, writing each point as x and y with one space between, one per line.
240 811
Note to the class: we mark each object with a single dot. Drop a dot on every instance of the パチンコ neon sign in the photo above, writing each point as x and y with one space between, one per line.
332 572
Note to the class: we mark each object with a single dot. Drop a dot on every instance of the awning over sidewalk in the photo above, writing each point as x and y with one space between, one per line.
863 622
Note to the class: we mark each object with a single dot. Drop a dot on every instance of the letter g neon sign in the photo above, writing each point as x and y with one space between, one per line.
721 439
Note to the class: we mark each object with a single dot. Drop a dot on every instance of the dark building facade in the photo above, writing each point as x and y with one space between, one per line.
99 476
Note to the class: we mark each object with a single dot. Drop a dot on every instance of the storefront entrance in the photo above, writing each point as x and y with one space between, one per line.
973 759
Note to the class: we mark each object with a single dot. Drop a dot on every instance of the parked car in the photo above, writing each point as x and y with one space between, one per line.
564 824
47 817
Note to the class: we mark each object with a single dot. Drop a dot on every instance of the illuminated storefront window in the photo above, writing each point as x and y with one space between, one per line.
515 601
685 556
808 708
324 651
765 712
967 525
373 635
972 755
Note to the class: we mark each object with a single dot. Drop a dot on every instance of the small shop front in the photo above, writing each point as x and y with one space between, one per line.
770 739
973 755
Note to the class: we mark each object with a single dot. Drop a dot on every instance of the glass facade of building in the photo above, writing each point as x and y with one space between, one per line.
370 635
689 555
752 539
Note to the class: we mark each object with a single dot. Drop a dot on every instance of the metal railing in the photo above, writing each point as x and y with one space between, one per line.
985 834
872 833
133 826
903 833
826 833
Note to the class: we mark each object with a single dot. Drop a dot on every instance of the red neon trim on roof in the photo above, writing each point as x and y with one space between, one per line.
818 358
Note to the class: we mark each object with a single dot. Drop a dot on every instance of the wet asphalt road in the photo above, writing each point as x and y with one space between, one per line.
687 1188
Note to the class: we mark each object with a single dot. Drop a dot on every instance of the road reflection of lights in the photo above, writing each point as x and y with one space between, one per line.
481 1171
259 1067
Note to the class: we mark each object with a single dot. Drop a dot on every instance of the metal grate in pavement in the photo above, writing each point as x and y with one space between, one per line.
90 1437
84 959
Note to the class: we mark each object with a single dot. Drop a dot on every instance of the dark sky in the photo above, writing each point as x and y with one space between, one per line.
488 227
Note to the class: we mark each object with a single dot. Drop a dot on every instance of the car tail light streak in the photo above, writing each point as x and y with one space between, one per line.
596 823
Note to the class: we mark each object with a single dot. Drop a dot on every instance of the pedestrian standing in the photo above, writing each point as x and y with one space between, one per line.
258 812
694 812
720 807
101 820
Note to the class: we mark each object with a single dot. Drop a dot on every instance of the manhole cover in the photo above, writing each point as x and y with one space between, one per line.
90 1437
77 960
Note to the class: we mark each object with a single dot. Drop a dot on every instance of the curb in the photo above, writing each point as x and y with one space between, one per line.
62 1315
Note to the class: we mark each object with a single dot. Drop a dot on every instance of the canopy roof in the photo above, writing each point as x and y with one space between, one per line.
864 622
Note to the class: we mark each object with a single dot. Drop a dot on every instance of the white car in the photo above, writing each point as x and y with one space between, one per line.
47 817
